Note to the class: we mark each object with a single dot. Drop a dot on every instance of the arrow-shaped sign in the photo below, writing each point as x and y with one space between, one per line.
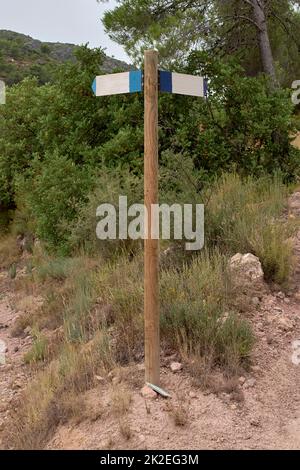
182 84
117 83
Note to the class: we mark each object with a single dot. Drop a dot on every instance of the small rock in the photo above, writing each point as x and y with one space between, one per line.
242 380
247 265
254 422
269 339
226 397
255 368
193 394
285 324
250 383
27 331
16 385
147 392
99 378
6 367
287 301
141 367
280 295
176 366
116 380
255 301
277 310
233 406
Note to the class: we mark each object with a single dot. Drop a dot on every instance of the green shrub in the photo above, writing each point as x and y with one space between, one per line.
57 268
243 215
195 315
109 185
12 272
57 186
38 351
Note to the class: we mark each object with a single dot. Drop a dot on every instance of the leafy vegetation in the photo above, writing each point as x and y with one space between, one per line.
58 144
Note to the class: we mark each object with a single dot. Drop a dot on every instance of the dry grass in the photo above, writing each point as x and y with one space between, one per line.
45 402
21 324
193 303
120 400
243 216
120 285
39 348
125 429
98 308
9 251
179 412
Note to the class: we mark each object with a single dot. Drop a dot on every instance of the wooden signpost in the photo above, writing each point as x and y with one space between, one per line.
151 81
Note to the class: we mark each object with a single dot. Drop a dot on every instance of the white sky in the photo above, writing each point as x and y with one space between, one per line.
71 21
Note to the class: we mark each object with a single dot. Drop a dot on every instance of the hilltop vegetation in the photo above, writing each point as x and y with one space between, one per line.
21 57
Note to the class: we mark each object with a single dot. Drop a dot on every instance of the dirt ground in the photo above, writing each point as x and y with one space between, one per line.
264 414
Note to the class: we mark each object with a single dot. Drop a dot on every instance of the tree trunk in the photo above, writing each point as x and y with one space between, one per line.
264 40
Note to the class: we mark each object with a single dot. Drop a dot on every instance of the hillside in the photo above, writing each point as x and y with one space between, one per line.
83 397
22 56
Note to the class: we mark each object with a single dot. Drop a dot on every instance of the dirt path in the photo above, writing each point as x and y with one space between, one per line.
13 373
268 418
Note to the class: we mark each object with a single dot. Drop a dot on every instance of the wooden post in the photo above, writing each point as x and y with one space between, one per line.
151 247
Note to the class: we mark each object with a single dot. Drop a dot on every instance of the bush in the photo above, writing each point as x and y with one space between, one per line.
195 314
120 288
242 215
38 351
57 186
110 184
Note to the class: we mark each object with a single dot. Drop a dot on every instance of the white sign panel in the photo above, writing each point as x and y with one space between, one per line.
182 84
117 83
187 84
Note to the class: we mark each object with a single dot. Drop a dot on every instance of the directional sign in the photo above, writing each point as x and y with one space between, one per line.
154 81
117 83
182 84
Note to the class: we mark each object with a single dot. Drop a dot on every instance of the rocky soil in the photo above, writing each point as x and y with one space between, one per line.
260 411
14 375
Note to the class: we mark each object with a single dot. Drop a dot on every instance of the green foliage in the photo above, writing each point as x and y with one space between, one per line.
109 185
12 272
222 28
57 187
38 351
243 125
58 269
57 141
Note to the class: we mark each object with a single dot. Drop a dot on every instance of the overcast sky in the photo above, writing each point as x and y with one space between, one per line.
72 21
